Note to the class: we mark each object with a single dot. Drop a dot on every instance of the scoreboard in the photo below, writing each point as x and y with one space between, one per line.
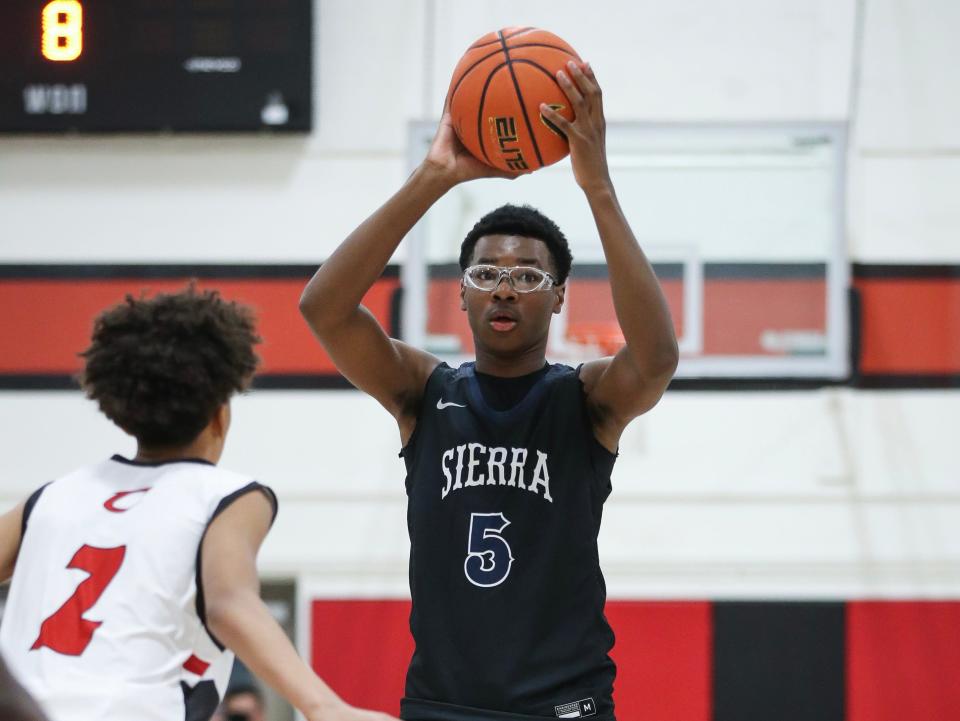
155 65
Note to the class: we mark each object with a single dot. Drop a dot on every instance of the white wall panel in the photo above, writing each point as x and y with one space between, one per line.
686 59
368 72
910 97
183 199
905 207
905 161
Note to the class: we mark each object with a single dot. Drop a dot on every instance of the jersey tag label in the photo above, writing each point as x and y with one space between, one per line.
577 709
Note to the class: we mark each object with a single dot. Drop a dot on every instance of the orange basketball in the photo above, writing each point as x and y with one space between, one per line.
495 97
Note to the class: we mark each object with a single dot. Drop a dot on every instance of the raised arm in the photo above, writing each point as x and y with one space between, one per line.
630 383
240 620
387 369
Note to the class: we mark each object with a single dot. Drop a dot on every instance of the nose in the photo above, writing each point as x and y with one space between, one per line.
504 289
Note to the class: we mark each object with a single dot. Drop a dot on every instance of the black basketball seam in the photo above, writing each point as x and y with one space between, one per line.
549 75
483 97
521 31
466 72
541 69
523 108
544 45
487 57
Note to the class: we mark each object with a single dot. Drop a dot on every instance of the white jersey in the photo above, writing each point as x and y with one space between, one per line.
105 615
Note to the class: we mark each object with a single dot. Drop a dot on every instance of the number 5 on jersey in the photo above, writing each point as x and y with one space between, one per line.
489 558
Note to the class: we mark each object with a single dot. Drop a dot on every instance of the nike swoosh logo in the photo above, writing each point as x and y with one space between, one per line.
441 405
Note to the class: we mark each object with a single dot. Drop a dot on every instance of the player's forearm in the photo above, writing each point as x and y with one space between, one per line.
10 527
243 623
339 285
638 299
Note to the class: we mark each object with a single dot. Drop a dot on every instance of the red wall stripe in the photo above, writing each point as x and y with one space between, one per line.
46 323
910 325
362 648
663 656
903 661
736 313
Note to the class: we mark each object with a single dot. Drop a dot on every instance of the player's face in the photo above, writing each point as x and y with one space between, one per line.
505 321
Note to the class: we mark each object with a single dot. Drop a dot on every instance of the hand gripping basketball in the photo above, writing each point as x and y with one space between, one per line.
587 132
496 93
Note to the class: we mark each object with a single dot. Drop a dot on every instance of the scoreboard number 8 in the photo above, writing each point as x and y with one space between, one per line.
62 23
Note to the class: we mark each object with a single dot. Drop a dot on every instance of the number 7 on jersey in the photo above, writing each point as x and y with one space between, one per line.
67 631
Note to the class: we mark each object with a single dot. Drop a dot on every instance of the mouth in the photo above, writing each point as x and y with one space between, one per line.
502 321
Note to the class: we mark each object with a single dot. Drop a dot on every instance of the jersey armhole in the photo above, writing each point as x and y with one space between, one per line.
28 508
601 458
224 504
411 441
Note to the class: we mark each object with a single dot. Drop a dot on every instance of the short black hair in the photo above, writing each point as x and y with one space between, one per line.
525 221
161 367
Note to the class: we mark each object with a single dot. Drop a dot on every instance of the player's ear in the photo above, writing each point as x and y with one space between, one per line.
220 423
463 291
558 295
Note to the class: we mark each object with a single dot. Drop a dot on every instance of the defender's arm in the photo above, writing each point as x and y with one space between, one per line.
239 619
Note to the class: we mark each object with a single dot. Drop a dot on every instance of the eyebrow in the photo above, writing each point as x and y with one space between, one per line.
520 261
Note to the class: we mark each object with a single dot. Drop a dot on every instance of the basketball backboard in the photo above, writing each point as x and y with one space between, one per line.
743 222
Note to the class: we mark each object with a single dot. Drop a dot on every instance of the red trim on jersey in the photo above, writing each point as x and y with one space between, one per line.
110 503
196 666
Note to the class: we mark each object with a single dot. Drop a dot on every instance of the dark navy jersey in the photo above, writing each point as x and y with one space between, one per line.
504 511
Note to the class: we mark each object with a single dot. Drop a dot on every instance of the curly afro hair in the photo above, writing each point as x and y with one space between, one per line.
525 221
161 367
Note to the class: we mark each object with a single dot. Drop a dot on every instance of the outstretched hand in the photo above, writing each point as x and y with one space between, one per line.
345 712
453 161
586 133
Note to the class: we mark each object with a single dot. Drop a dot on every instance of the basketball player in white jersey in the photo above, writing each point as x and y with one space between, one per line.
132 577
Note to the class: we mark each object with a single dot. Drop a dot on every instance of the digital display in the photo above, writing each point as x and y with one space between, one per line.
155 65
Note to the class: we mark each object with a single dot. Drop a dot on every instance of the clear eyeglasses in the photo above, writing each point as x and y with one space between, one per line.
523 279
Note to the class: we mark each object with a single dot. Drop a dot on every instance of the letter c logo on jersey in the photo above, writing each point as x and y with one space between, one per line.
122 501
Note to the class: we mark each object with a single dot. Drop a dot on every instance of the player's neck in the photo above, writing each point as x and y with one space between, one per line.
513 366
201 448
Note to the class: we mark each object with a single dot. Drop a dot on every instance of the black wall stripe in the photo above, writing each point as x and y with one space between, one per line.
779 661
103 271
906 271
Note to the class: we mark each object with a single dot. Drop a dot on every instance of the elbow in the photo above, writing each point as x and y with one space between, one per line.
661 363
306 304
221 615
669 358
311 309
217 617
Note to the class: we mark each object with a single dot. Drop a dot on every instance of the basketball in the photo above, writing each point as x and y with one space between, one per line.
495 97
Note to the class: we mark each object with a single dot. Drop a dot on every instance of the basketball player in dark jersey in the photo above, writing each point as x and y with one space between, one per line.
508 458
